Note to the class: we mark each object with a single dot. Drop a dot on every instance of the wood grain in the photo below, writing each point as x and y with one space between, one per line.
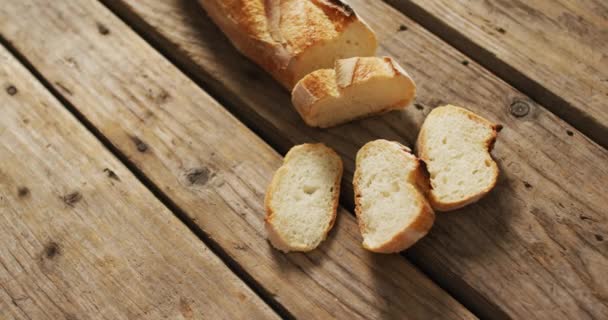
208 164
554 51
533 248
81 238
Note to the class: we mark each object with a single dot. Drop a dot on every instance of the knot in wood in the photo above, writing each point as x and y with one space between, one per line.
199 176
51 250
11 90
139 144
520 109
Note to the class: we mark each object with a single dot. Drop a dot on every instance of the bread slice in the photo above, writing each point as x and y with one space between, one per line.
292 38
302 199
389 187
455 144
355 88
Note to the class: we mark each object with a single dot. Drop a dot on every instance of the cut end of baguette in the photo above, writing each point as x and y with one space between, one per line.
355 40
291 39
455 144
302 199
355 88
389 195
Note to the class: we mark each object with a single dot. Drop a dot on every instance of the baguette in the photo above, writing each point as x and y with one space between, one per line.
455 144
302 199
292 38
390 205
355 88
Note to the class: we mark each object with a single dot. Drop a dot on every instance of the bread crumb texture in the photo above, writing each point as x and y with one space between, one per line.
392 211
455 145
302 199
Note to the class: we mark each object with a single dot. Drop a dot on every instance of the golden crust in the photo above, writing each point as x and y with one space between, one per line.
304 23
414 231
312 88
489 142
275 33
361 69
274 235
368 68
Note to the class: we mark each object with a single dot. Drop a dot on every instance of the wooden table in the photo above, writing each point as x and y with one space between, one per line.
136 145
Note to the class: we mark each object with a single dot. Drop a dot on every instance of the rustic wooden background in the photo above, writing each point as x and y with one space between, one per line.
136 145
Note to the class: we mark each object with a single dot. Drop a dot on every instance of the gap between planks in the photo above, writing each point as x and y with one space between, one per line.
544 96
154 189
64 216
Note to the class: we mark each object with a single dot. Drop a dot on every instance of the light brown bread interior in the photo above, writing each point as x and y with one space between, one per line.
389 188
302 199
455 144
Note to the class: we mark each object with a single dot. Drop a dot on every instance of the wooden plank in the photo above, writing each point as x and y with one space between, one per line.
208 164
82 238
534 248
554 51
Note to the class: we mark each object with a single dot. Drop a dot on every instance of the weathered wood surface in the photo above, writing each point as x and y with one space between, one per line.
554 51
81 238
534 248
208 164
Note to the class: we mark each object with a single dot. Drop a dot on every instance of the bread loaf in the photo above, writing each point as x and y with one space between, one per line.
455 144
390 205
292 38
354 88
302 199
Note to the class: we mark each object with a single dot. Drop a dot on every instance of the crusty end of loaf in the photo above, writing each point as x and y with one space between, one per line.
355 88
290 39
389 188
455 144
355 39
302 199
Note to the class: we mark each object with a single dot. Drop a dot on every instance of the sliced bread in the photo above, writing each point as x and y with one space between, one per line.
455 144
354 88
302 199
291 39
390 205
